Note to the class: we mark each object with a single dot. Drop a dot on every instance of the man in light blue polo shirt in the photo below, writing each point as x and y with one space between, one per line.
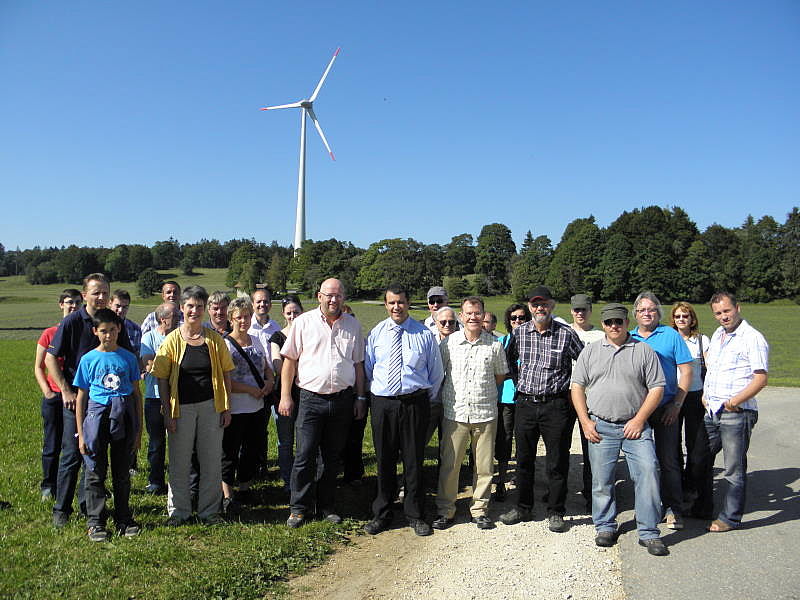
675 358
404 367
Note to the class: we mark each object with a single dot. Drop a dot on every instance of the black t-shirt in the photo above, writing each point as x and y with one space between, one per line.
194 377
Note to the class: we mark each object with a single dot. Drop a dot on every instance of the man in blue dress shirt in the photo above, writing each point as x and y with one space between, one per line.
404 367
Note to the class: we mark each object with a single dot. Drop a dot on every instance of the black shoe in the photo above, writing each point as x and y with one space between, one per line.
500 492
655 547
516 515
556 524
605 539
155 489
483 522
331 517
231 507
420 527
60 520
244 496
98 533
442 522
129 529
375 526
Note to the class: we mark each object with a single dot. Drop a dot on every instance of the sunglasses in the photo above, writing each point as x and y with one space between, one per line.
682 317
447 323
436 300
518 318
610 322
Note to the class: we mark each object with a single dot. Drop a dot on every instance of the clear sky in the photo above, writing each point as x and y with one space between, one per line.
133 122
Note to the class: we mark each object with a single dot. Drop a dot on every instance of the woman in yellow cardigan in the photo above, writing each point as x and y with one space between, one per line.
193 367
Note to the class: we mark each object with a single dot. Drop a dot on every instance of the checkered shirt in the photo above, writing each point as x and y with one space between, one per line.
541 363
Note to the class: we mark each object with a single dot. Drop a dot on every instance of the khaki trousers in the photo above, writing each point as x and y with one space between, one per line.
453 445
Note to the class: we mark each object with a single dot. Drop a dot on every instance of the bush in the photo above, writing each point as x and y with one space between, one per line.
149 282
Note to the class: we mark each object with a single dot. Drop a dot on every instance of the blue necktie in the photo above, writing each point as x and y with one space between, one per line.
396 362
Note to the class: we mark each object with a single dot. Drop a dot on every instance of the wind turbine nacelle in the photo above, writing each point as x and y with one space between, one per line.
306 104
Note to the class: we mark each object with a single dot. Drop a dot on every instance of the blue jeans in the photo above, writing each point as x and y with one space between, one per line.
53 430
69 468
730 432
157 444
323 421
643 466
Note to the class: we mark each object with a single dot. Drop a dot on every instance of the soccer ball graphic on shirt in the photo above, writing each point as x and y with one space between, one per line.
111 381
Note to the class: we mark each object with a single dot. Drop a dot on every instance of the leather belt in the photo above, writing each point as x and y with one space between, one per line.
539 398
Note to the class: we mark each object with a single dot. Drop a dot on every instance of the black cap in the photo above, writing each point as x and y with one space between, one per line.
539 293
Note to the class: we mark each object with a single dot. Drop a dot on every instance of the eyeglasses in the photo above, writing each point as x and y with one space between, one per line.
539 304
522 318
611 322
436 300
447 322
332 296
579 309
646 311
681 317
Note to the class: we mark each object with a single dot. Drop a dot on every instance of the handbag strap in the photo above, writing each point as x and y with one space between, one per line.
259 379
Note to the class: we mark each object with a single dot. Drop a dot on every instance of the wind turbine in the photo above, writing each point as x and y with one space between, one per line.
307 109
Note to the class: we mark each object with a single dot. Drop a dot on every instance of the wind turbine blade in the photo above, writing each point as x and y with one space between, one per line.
319 130
324 75
292 105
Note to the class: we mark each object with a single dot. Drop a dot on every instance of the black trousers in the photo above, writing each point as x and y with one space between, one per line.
323 421
549 421
353 457
504 439
399 425
698 457
240 444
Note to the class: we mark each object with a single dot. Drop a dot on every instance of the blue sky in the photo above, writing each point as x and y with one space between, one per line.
133 122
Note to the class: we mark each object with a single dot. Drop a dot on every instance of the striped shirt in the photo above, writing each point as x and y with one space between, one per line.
732 359
545 359
469 391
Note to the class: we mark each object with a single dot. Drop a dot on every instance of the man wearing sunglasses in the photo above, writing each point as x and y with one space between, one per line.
540 355
616 385
437 298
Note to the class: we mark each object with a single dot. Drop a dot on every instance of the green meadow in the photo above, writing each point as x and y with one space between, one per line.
250 558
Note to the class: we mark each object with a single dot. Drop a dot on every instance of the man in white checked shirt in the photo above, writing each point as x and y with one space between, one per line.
475 364
737 365
404 368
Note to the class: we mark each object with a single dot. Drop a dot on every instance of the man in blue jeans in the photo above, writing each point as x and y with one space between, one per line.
617 383
737 363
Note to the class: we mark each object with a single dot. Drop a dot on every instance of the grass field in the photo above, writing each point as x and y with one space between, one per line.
250 559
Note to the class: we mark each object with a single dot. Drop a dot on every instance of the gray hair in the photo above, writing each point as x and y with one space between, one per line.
653 298
165 309
219 297
194 292
438 313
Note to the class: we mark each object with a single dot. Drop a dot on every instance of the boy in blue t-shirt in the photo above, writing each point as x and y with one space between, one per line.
107 414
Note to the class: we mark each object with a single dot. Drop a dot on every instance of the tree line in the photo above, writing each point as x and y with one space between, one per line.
654 248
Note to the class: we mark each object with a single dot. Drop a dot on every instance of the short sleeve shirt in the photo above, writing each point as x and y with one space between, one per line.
469 391
151 342
107 374
242 402
326 354
44 342
671 350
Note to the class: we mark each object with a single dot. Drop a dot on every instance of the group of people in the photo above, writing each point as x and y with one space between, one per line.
211 386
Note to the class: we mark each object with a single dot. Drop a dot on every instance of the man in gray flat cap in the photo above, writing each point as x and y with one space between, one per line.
616 384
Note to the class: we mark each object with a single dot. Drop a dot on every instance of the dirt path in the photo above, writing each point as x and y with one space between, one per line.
508 562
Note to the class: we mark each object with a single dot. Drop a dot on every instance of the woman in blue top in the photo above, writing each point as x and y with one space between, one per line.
516 315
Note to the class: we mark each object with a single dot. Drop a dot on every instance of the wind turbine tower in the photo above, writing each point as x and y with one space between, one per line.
307 109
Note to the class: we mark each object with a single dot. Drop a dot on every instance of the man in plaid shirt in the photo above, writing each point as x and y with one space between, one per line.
540 355
737 362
